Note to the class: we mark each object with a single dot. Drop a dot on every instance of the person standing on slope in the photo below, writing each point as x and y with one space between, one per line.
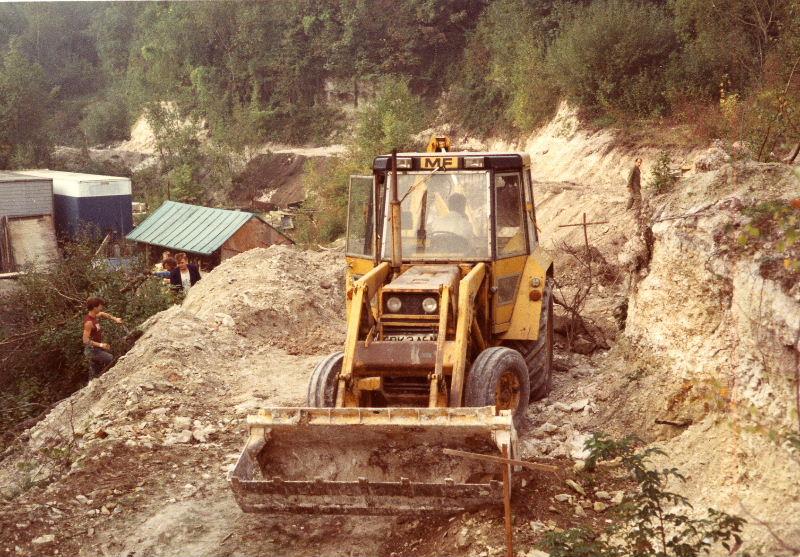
635 186
97 351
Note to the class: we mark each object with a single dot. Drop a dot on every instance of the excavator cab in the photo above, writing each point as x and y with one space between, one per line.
449 336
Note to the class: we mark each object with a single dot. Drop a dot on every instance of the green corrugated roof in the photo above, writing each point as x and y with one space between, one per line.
190 228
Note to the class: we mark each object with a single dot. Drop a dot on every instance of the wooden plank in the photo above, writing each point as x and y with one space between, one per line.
33 241
502 460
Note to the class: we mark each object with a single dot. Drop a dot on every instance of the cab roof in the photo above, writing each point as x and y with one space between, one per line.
493 160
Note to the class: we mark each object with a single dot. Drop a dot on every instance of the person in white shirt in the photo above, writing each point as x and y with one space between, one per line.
185 275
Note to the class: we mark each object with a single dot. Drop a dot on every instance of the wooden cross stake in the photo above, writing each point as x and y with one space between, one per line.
585 225
507 463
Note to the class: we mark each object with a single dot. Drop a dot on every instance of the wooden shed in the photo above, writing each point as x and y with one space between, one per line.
207 234
27 233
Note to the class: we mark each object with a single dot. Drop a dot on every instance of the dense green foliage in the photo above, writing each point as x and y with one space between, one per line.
653 521
287 70
613 56
41 322
24 103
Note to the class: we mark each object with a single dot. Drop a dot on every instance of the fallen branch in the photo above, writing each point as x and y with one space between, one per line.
135 282
65 296
13 338
686 216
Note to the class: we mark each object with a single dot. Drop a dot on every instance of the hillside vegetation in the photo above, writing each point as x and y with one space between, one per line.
288 70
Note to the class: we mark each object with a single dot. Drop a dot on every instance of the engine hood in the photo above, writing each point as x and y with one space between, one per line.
425 278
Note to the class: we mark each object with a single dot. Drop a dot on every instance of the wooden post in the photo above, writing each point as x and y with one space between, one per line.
585 224
507 504
506 462
585 234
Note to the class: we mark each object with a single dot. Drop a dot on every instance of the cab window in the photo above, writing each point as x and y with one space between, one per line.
530 212
509 218
360 215
443 215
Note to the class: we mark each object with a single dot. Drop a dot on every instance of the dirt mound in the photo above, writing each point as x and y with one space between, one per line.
280 296
123 450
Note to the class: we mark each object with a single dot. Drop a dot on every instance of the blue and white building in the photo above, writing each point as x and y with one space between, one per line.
88 202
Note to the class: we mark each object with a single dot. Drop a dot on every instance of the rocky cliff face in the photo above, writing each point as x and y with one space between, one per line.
710 347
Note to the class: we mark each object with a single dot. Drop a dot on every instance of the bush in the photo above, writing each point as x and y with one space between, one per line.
661 176
323 216
106 121
41 352
612 57
535 94
653 522
774 231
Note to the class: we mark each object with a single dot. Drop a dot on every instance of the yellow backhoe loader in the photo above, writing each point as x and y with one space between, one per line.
449 335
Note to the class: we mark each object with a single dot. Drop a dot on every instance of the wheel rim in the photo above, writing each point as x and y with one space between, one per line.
507 392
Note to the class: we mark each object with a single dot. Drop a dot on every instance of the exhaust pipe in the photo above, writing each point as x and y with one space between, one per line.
397 241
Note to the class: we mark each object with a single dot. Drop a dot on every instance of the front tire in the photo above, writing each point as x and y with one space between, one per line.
324 382
538 354
498 377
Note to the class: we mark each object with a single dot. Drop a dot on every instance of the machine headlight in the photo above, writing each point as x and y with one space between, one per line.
403 164
394 304
430 305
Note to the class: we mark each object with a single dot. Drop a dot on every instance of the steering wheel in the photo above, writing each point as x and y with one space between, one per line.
443 240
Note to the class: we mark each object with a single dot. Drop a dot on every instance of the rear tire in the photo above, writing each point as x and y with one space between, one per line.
538 354
498 377
324 382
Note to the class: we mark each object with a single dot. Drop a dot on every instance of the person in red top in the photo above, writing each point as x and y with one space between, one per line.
95 349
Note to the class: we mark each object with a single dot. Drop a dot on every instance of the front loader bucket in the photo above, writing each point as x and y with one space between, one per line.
377 461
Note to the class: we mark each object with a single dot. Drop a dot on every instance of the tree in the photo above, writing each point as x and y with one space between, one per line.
24 106
389 122
612 57
727 38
